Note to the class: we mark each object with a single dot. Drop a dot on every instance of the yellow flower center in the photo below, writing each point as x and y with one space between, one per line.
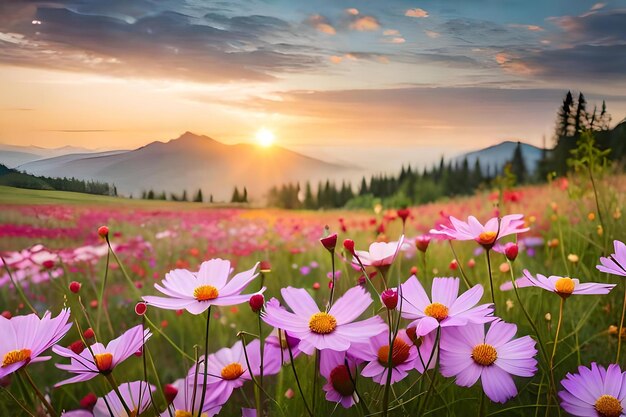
134 413
322 323
15 356
104 361
183 413
487 238
484 354
437 311
205 293
232 371
564 287
399 353
608 406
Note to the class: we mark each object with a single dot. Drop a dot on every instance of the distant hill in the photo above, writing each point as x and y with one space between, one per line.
15 155
497 155
14 178
190 162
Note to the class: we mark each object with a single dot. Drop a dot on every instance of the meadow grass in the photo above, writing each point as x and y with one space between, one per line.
288 240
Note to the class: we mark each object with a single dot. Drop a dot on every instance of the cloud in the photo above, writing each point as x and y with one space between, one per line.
335 59
598 6
321 24
532 28
364 23
352 11
212 48
432 34
417 12
395 39
605 27
391 32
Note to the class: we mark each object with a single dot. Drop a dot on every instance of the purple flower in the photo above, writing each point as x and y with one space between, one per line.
520 282
565 286
195 292
305 270
615 263
24 338
184 400
376 351
228 370
334 330
340 378
469 354
486 235
594 391
380 254
278 344
98 359
136 396
446 309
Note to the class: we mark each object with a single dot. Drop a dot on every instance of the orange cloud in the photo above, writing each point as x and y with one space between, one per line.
513 65
321 24
352 11
391 32
532 28
417 12
365 23
335 59
397 39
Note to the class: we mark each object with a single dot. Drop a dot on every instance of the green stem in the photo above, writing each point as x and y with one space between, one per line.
556 341
111 381
18 287
39 394
206 362
295 374
467 282
493 294
621 326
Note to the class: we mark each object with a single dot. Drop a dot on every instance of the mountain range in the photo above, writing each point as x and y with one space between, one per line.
191 162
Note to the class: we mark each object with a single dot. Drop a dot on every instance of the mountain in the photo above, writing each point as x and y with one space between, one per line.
15 155
190 162
497 155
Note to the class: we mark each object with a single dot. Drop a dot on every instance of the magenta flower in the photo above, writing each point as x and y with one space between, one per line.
228 370
615 263
24 338
196 291
136 396
486 235
468 354
595 391
446 309
376 351
339 387
565 286
104 359
334 330
380 254
183 404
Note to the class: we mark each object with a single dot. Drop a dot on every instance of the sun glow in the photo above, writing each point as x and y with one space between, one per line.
265 137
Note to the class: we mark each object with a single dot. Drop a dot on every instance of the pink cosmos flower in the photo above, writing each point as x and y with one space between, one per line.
376 351
24 338
426 349
615 263
594 391
565 286
380 254
195 292
136 396
469 354
228 370
486 235
278 343
184 400
521 282
87 365
339 387
334 330
446 309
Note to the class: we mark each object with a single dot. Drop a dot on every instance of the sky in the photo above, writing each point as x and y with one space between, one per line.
361 81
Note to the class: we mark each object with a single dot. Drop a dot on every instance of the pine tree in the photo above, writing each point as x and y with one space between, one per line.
580 119
236 198
211 198
564 122
363 189
199 198
184 196
244 198
309 201
150 195
518 167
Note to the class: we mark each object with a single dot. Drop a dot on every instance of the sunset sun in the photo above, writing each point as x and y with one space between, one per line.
265 137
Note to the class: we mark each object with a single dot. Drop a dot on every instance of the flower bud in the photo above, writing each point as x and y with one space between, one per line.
289 394
170 392
89 333
389 298
256 302
77 347
422 242
510 251
75 287
453 265
471 263
404 213
48 264
265 266
348 244
329 242
140 308
316 285
414 270
103 232
88 401
7 314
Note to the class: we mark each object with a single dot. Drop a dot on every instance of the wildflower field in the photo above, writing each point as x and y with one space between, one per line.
109 306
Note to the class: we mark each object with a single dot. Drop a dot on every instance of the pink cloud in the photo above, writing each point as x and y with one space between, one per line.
321 24
532 28
352 11
417 12
365 23
391 32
